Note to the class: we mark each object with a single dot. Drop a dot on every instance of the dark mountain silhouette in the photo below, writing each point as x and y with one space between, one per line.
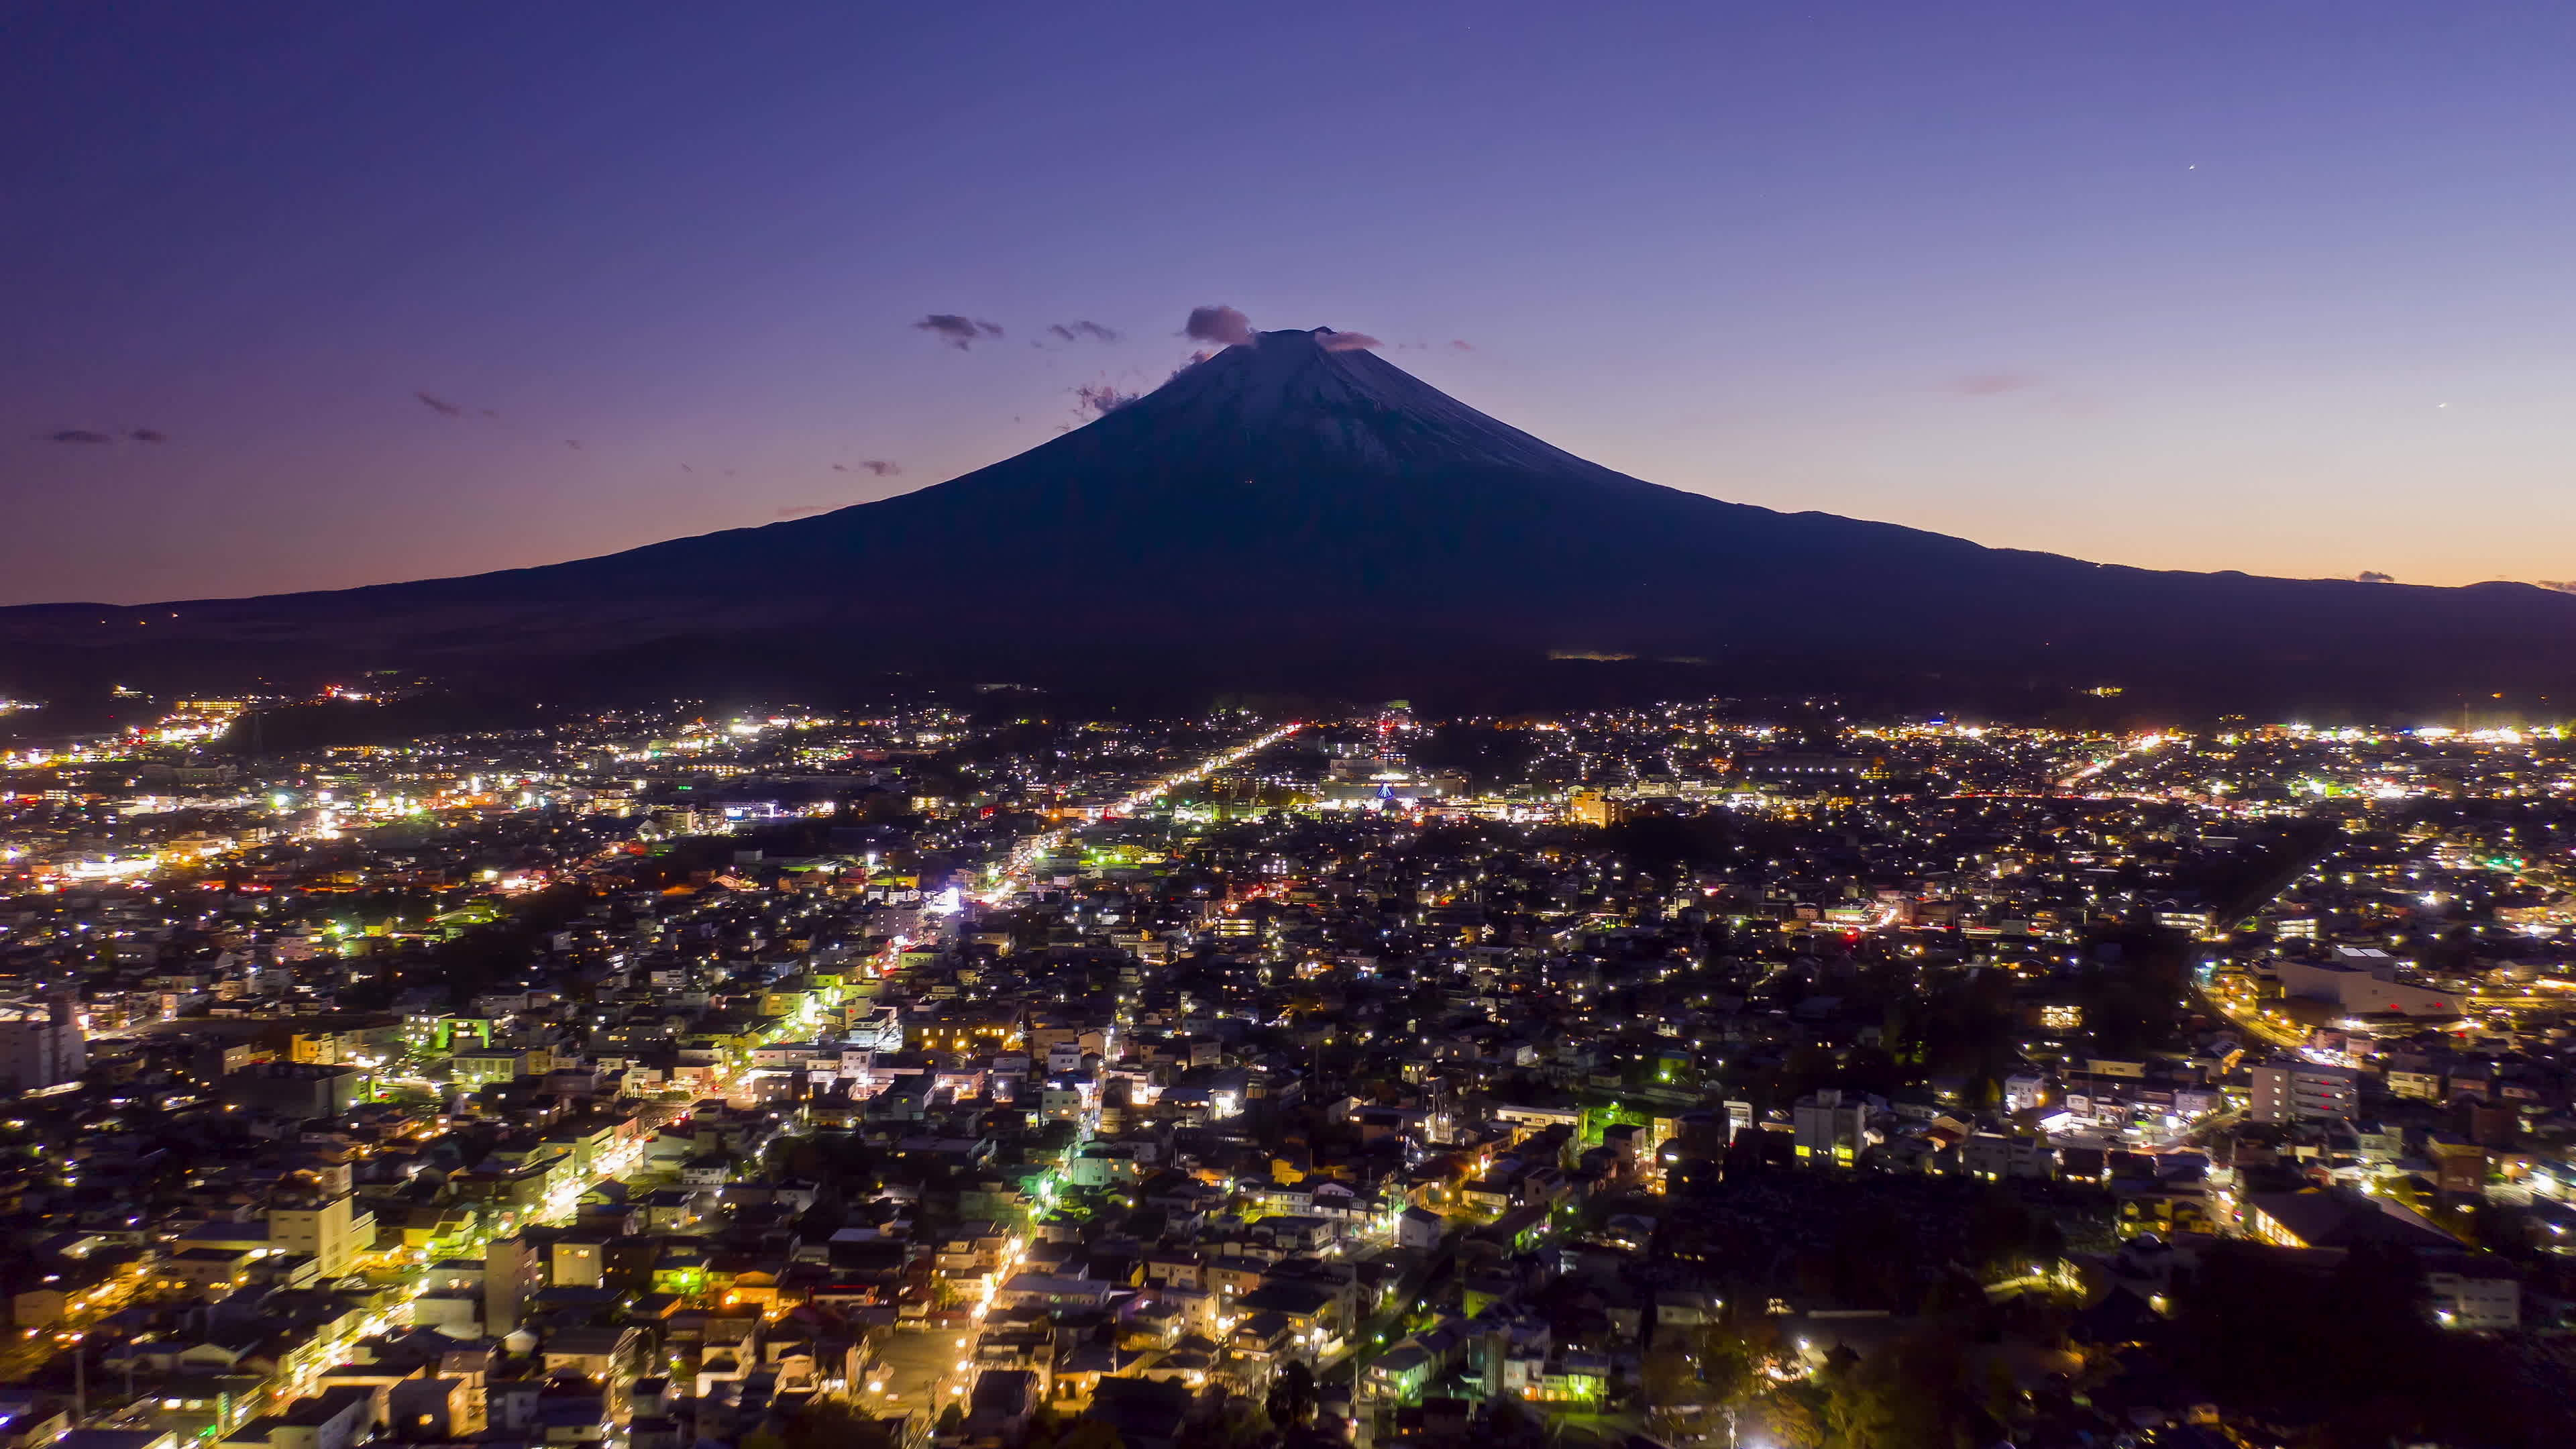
1288 514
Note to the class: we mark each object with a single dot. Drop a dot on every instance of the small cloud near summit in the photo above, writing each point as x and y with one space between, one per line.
878 466
1098 400
1349 342
2373 576
958 332
1223 326
2564 586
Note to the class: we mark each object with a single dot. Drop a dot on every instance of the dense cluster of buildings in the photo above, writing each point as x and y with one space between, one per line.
656 1079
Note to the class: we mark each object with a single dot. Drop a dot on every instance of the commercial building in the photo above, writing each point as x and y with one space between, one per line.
1592 807
2365 979
2475 1296
2291 1091
330 1229
295 1089
1828 1130
40 1045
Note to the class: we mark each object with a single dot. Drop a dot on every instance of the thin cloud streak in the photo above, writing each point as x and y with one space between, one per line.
960 332
1992 384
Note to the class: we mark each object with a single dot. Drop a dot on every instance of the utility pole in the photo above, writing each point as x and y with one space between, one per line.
1363 1422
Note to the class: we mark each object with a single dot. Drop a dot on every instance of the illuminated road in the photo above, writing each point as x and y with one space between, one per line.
1016 869
2143 746
2248 1022
27 1351
2249 1016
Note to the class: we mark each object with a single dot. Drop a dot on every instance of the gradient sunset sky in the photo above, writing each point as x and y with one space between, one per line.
303 296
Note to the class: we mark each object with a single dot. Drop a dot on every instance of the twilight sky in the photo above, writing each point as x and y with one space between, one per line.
402 290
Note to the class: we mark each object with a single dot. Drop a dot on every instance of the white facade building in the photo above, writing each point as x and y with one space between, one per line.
41 1045
2289 1091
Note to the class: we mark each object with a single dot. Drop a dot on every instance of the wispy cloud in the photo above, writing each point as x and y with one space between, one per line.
148 435
2374 576
440 405
1462 344
1223 326
879 466
1083 332
2564 586
1349 342
1992 384
1099 400
802 509
76 435
958 332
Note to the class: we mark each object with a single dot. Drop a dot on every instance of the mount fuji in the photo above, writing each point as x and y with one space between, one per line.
1296 512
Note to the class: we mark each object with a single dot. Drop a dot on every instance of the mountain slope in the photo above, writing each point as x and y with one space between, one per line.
1293 512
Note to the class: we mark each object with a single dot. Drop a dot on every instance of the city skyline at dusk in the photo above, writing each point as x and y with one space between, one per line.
326 297
1447 725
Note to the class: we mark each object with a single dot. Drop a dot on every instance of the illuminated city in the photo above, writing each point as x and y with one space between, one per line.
1455 725
951 1061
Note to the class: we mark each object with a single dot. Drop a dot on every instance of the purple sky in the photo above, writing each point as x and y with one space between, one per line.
2284 287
